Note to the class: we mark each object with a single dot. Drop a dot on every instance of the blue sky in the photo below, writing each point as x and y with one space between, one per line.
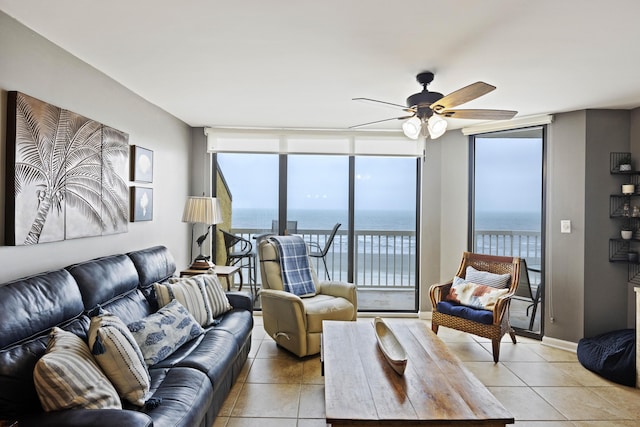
508 178
320 182
508 174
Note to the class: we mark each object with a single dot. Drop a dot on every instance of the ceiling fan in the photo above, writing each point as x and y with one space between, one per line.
427 108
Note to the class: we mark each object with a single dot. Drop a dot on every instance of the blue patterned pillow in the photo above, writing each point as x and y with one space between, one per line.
161 333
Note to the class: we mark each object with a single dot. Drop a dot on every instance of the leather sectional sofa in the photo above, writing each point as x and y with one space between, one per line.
193 382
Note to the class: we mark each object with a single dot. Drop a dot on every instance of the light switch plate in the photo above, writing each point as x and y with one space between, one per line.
565 226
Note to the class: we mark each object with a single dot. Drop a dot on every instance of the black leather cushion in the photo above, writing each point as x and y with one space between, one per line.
186 394
611 355
87 417
210 353
238 323
154 264
129 307
103 279
35 304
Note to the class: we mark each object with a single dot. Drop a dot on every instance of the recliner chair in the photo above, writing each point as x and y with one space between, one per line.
295 323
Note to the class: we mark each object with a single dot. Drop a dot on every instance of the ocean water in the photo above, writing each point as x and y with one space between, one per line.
383 220
515 221
387 220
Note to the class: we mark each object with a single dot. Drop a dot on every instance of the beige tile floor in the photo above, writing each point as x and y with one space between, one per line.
539 385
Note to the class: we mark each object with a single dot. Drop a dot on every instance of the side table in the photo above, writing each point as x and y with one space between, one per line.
225 271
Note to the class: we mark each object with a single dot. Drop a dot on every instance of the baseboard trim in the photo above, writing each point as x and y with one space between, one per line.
560 344
424 315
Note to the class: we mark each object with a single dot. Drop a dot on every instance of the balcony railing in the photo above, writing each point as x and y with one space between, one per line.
387 259
523 244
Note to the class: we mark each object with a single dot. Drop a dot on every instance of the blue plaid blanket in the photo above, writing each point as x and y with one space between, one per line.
294 263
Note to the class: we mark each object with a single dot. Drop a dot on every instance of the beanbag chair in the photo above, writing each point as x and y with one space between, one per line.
611 355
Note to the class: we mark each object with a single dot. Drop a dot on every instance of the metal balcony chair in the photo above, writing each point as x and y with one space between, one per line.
527 293
240 250
318 252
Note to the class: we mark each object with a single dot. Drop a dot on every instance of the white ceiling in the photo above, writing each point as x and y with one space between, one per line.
298 63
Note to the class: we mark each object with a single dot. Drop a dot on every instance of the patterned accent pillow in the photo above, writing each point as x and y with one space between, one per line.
119 356
474 295
191 294
67 376
486 278
216 296
161 333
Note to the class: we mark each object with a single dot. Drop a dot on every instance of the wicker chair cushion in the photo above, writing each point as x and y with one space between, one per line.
477 315
494 280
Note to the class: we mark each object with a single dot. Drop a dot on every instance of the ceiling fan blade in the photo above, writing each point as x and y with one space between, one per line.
479 114
379 121
460 96
389 104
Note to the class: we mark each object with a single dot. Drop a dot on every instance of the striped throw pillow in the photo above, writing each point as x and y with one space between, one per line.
119 356
499 281
67 376
191 294
215 292
216 296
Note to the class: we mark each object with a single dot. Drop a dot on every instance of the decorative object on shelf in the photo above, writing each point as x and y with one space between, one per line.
202 210
65 175
636 211
624 163
628 189
390 346
626 233
632 256
141 204
625 209
141 169
620 162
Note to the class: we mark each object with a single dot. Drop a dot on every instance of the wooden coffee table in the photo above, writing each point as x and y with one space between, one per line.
361 389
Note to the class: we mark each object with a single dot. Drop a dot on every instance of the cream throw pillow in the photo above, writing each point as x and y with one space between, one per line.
191 294
216 296
119 356
67 376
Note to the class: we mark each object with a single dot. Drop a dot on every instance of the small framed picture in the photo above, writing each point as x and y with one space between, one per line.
141 204
141 164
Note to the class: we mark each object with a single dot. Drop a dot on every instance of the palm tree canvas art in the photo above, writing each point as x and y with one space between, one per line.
65 174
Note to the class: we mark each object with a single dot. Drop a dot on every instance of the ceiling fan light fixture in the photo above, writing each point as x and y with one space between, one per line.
412 127
437 126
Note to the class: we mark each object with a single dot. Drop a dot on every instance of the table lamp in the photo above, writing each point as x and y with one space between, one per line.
202 210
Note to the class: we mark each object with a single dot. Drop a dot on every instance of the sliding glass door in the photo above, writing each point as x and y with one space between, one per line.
374 199
385 233
317 200
507 213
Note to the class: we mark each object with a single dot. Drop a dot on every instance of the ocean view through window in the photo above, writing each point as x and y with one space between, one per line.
383 237
507 212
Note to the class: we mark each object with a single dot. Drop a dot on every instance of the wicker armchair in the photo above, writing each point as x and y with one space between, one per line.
500 324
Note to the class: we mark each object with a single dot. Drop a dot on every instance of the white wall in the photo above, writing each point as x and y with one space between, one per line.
445 196
33 65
